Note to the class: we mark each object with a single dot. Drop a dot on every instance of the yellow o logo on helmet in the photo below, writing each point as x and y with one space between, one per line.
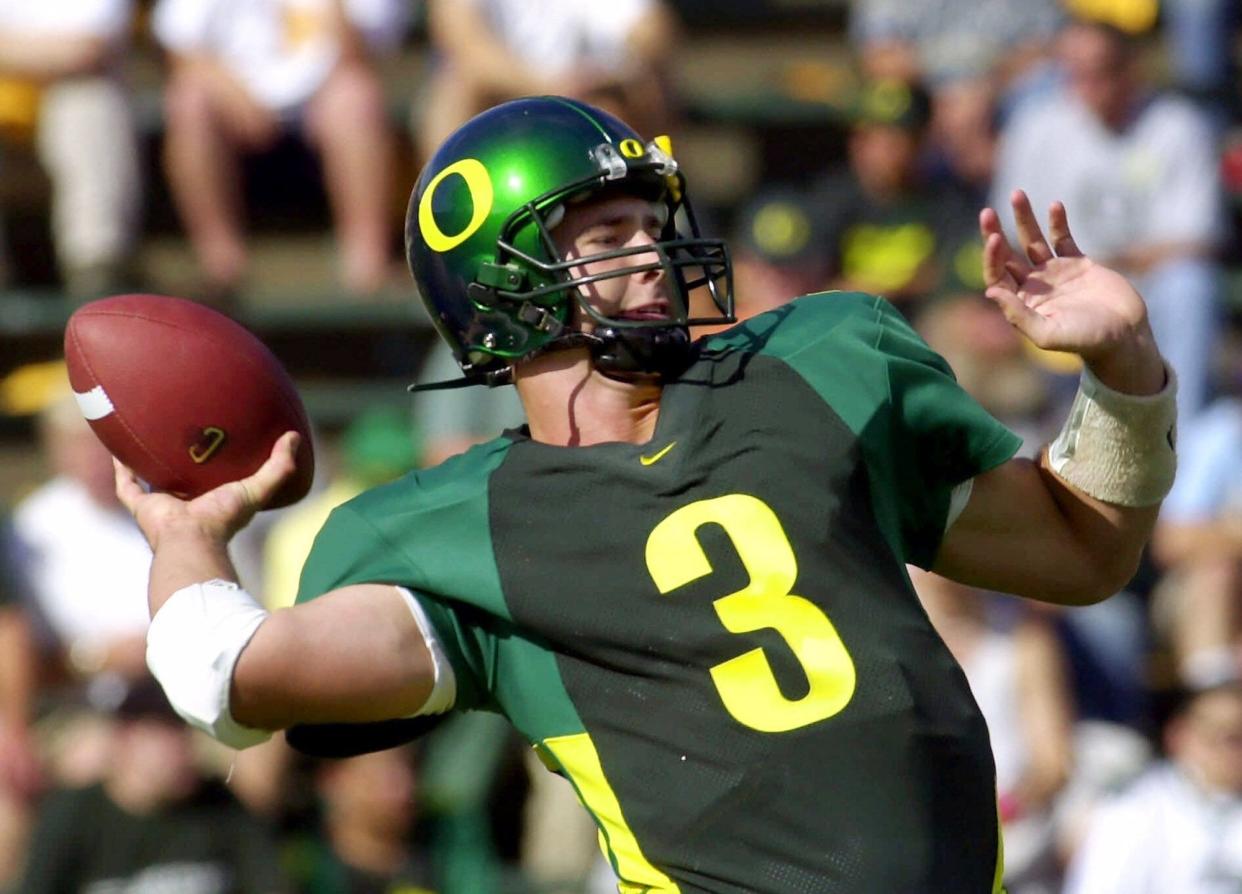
631 148
479 182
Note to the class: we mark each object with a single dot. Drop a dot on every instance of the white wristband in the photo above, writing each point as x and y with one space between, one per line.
193 645
1119 448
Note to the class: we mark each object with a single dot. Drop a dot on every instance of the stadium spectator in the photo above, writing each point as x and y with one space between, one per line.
1017 673
890 230
600 576
20 773
153 822
980 60
1141 170
614 55
82 560
243 72
1200 36
780 251
61 82
1198 542
364 842
1178 827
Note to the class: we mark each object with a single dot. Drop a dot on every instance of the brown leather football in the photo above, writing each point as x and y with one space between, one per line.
182 394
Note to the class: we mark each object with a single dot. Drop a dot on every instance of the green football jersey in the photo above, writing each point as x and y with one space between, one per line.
713 635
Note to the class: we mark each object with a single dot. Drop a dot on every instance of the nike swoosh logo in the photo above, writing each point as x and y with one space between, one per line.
656 457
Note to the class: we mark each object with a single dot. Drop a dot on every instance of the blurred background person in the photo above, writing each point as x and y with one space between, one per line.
20 771
1140 169
892 230
780 252
153 822
242 73
978 58
1197 604
62 85
614 55
82 560
365 840
1179 826
1017 673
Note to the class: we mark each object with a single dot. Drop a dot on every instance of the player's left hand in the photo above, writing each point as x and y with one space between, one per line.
1063 301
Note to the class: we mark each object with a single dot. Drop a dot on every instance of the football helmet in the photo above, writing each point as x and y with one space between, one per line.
479 243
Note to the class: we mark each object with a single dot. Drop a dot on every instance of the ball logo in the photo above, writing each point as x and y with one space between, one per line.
479 182
631 148
208 445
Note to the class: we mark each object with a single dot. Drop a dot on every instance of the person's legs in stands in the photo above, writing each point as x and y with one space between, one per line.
87 145
347 122
202 160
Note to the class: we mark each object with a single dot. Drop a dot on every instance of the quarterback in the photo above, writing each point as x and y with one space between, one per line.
684 581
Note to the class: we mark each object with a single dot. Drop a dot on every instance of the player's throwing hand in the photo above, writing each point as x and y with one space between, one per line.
218 514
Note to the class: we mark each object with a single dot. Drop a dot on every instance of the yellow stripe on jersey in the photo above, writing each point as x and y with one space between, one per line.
578 758
998 880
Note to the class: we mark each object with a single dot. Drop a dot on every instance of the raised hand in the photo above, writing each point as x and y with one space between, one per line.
1063 301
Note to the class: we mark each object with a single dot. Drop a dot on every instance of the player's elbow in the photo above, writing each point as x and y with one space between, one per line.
1100 577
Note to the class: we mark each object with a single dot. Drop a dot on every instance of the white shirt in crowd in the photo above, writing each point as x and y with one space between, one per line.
555 36
281 50
109 19
86 565
1155 182
1162 835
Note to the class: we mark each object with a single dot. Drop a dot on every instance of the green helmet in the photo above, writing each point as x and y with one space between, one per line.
478 239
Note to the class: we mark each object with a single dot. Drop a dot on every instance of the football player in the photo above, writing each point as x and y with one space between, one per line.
684 581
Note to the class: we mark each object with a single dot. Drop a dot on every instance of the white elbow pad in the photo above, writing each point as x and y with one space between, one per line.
193 645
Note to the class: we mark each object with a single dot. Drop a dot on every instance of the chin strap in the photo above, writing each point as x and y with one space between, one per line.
493 379
628 353
624 353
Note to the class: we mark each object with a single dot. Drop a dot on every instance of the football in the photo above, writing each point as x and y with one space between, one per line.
183 395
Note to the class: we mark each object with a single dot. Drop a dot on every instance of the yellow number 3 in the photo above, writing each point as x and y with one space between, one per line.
746 683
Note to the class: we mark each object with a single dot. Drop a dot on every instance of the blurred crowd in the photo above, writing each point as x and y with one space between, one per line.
1117 729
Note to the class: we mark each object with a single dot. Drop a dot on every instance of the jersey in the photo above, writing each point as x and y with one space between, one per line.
713 635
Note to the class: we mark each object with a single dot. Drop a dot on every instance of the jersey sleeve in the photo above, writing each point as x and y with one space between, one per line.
921 434
349 549
940 435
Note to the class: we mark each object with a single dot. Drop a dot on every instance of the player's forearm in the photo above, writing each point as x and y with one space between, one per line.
1112 536
184 554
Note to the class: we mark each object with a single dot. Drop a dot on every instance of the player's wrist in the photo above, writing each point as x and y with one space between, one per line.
1131 366
185 532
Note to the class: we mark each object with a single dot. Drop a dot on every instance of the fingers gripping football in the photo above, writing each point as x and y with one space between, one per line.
219 513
